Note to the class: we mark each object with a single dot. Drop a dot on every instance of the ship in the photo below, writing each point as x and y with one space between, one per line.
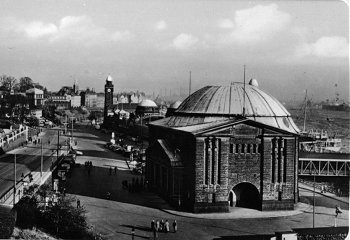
336 104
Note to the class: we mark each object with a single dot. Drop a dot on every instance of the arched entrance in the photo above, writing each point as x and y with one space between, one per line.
247 196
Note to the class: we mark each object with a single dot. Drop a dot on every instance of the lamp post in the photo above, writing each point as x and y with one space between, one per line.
313 212
15 182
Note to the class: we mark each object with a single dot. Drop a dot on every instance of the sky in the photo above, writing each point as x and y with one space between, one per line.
151 46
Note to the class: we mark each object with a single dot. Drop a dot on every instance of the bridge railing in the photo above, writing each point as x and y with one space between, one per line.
322 167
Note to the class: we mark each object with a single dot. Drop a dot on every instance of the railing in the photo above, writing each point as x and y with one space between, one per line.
323 167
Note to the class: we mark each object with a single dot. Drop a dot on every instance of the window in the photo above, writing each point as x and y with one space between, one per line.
206 160
273 162
237 148
231 147
219 162
285 161
213 160
248 148
254 147
242 148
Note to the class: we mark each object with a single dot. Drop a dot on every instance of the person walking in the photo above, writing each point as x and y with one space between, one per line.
133 232
175 226
110 171
157 226
161 227
154 229
78 203
115 170
166 226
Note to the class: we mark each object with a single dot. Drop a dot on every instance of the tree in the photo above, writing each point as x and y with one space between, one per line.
7 82
25 83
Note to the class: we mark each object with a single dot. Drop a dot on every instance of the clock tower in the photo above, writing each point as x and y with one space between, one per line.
108 97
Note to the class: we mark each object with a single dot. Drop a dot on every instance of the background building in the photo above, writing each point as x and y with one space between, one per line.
221 149
35 97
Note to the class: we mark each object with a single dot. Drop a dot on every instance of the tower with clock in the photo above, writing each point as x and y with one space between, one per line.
108 97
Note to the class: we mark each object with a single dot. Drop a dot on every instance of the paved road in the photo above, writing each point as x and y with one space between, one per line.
114 218
28 159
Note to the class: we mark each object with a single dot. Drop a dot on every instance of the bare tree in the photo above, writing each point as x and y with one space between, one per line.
8 82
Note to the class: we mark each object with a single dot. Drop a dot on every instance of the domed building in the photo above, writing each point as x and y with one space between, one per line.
146 107
171 109
225 146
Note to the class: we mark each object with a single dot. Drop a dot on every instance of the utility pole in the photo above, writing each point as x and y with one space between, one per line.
41 162
15 182
189 88
58 143
244 92
313 212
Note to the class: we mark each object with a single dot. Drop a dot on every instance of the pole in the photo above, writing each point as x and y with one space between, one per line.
313 213
244 91
58 143
305 104
189 89
41 162
15 182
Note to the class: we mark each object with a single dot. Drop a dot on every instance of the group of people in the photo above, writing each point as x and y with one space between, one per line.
162 226
136 185
111 170
88 165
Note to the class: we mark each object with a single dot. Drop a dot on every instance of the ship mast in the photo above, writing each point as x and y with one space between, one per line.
305 103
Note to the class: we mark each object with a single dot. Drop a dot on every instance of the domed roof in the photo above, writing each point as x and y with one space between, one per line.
254 82
147 103
175 105
109 78
229 100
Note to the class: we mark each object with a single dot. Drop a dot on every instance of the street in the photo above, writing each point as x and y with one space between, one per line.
115 217
28 159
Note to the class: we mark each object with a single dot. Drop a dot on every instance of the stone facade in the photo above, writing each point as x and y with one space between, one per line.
254 162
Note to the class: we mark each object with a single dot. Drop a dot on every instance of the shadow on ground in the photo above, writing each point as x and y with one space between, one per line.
100 181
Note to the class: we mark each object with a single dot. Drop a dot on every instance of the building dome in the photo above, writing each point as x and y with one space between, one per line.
175 105
254 82
147 103
211 104
109 78
229 100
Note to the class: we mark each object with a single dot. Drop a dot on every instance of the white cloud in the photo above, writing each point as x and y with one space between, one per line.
226 23
258 23
334 46
38 29
161 25
184 41
122 36
80 29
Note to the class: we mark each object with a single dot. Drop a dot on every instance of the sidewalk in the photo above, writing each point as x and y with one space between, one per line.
327 194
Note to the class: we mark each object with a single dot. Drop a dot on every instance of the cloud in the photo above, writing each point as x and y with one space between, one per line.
226 23
330 47
184 41
122 36
38 29
258 23
161 25
79 29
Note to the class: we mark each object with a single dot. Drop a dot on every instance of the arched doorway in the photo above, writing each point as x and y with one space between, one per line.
247 196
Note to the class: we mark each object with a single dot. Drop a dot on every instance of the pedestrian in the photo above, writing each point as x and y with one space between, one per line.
175 226
157 226
161 226
153 225
78 203
115 170
166 226
133 232
110 171
337 210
